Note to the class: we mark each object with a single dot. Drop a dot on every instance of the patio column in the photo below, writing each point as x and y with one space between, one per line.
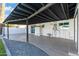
7 31
27 33
78 29
3 30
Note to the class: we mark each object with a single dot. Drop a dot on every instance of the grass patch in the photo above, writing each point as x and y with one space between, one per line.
2 49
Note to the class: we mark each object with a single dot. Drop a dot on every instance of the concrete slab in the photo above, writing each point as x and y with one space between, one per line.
51 45
23 49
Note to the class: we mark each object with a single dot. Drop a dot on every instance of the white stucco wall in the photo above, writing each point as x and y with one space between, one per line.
48 29
62 33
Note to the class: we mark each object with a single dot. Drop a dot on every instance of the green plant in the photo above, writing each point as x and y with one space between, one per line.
2 49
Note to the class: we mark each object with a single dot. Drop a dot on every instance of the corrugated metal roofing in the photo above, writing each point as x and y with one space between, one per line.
56 12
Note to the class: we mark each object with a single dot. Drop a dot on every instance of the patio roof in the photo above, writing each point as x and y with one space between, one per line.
41 12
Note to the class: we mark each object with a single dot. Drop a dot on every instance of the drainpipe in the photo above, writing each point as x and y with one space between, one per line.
27 34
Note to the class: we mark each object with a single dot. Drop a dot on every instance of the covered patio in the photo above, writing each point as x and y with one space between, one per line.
51 45
35 13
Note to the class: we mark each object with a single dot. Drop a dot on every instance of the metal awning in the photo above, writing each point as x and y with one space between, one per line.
41 12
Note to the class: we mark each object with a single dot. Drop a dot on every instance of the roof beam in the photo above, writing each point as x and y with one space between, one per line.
40 10
43 15
43 18
32 9
76 10
26 11
15 15
68 11
51 12
71 4
72 8
34 14
63 10
27 6
42 4
46 17
19 13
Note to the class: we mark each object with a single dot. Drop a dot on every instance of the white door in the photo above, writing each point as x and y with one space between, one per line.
38 31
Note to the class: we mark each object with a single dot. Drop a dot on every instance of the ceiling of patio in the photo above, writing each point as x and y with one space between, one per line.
56 12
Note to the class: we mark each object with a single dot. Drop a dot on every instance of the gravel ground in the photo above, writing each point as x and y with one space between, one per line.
23 49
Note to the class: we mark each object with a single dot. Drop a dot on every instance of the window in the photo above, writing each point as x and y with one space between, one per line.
63 24
60 24
66 23
32 29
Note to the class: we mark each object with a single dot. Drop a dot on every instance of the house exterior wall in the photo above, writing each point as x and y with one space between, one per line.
67 33
47 30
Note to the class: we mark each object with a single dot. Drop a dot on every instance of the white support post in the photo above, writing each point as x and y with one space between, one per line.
3 30
7 31
78 28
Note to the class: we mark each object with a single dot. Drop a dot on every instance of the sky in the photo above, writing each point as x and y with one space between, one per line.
8 8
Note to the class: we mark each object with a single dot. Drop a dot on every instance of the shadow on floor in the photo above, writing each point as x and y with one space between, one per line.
23 49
